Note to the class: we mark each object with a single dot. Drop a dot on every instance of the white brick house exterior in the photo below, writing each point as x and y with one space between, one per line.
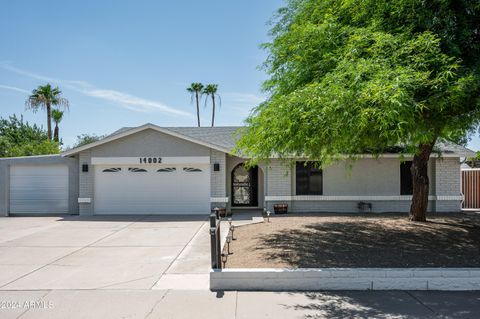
155 170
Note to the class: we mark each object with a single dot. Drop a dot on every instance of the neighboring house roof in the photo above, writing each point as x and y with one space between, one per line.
471 164
465 166
223 138
452 148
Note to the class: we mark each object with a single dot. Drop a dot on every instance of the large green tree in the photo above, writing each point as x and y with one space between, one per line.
19 138
44 97
348 77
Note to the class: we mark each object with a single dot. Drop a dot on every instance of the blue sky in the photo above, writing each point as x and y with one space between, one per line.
126 63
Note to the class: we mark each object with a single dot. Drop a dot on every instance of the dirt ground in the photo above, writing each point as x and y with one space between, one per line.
380 240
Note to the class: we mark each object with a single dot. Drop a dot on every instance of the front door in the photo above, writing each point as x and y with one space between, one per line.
244 186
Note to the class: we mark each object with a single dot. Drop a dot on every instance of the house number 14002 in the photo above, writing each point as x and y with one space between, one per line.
150 160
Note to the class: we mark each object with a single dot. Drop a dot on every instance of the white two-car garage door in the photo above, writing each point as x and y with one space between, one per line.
39 189
152 189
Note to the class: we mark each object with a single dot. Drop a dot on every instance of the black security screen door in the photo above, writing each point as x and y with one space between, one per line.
244 186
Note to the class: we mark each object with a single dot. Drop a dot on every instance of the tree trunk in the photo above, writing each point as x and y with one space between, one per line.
49 122
419 171
55 133
198 109
213 110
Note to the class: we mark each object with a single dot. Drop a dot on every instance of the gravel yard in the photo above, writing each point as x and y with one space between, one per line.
341 240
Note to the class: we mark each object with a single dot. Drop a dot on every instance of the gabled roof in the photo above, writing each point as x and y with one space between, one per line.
218 138
223 139
446 147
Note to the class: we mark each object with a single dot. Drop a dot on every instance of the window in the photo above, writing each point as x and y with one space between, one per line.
167 169
309 179
136 170
406 181
112 170
191 169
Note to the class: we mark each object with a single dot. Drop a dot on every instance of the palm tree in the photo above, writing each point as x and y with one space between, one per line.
57 116
195 90
44 97
211 90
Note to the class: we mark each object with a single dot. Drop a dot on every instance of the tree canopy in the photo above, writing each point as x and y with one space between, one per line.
85 139
44 97
19 138
350 76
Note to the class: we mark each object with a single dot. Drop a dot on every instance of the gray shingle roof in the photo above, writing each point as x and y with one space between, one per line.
222 136
452 148
225 137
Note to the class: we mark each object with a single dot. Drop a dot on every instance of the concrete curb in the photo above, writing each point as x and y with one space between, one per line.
310 279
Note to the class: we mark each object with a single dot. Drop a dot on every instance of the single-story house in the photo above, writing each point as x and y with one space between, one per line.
189 170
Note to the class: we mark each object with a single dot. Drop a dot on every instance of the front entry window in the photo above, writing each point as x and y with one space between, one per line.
244 186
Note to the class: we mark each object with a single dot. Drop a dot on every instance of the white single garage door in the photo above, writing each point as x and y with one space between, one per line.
41 189
152 189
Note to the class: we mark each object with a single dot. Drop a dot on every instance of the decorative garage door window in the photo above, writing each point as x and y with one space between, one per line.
136 170
191 169
167 170
112 170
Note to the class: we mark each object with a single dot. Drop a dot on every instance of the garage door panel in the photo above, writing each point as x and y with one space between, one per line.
152 192
39 196
39 189
25 206
39 170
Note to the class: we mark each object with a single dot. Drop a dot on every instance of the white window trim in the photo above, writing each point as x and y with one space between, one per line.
356 198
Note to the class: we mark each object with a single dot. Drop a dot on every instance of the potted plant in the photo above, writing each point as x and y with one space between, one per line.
280 208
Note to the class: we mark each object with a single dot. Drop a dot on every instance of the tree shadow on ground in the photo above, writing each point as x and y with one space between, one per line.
349 305
372 242
388 304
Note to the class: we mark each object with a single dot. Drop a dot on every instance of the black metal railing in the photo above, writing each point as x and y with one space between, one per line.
218 257
215 245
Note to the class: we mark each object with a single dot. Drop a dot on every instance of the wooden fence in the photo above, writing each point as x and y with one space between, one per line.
471 188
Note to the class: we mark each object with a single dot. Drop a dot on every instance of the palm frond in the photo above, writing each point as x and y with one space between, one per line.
57 115
43 95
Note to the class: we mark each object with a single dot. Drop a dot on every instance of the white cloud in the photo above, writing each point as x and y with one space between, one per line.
13 88
125 100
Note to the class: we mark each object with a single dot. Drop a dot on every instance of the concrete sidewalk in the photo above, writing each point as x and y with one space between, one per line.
189 304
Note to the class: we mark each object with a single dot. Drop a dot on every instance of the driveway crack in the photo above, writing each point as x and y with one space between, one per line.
181 251
156 304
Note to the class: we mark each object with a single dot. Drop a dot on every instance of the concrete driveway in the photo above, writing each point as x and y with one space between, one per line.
144 252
